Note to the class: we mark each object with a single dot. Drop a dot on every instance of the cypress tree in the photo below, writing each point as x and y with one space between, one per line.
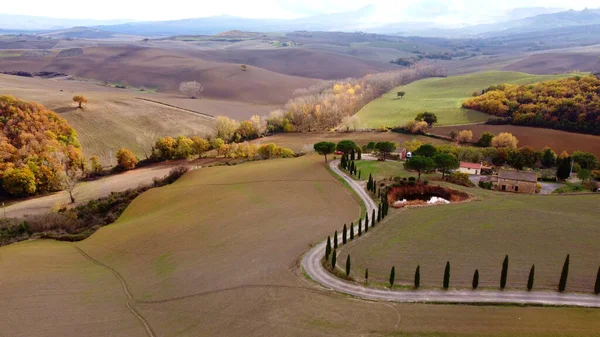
562 284
335 243
366 225
504 274
352 155
333 259
531 278
367 275
392 276
344 233
351 231
476 279
367 217
369 182
343 161
359 227
328 248
447 275
348 266
359 154
359 174
374 187
418 277
379 214
597 286
373 218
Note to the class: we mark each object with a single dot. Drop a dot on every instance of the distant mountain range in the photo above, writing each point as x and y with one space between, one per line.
516 21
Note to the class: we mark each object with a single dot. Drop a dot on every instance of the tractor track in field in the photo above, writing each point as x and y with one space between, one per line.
311 263
130 299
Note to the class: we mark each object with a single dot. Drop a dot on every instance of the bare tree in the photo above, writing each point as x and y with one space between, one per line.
70 179
191 89
147 139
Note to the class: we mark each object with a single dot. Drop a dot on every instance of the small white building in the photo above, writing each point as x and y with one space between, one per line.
470 168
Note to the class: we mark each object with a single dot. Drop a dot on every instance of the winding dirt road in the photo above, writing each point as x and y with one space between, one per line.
311 263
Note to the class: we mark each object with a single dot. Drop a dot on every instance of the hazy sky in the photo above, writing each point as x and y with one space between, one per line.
386 10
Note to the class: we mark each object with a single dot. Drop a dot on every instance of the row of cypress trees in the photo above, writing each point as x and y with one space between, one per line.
562 284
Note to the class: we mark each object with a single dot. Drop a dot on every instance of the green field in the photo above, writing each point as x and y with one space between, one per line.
388 169
531 229
442 96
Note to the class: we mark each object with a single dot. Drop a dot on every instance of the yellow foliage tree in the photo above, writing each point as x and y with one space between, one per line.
126 160
80 99
20 181
505 139
464 136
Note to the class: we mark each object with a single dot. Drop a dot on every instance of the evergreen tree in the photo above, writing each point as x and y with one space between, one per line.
344 233
348 266
335 239
564 168
367 218
504 274
352 155
333 259
373 218
597 285
418 277
370 183
351 231
366 225
447 275
359 172
379 214
374 188
392 276
476 279
359 227
531 278
328 248
359 154
343 163
367 274
562 284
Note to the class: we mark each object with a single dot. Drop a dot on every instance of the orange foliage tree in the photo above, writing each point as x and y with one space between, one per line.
126 160
34 141
80 99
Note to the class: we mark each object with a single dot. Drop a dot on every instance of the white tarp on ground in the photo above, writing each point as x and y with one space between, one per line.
436 200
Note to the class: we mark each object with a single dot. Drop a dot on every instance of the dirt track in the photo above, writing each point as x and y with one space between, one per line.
313 267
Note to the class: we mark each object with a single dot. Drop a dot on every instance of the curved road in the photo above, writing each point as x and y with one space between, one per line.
311 263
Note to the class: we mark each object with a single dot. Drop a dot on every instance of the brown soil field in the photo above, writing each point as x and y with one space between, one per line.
196 268
557 62
536 138
303 142
165 70
300 62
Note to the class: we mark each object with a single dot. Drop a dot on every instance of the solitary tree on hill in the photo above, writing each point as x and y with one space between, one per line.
324 148
531 278
562 284
392 276
80 99
476 279
504 274
447 275
400 94
348 266
418 277
191 89
344 233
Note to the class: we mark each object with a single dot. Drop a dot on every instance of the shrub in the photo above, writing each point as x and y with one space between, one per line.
505 139
459 178
126 160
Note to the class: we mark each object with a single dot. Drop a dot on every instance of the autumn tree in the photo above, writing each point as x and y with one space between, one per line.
80 99
19 181
324 148
226 128
71 177
126 160
199 145
505 139
464 136
191 89
95 164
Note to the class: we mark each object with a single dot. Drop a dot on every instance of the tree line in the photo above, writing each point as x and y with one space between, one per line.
571 104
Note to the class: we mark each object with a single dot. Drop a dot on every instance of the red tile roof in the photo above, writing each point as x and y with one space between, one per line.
465 164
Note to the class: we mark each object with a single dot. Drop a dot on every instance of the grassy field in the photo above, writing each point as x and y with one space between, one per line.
216 254
477 235
380 170
442 96
537 138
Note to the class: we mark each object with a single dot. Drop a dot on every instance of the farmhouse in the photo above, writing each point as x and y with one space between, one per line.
515 181
470 168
